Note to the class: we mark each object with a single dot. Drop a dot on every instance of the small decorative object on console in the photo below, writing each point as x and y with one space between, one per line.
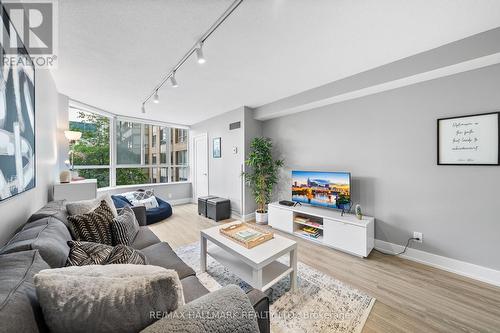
359 214
65 176
287 203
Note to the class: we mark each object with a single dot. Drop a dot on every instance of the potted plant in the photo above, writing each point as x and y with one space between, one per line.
262 176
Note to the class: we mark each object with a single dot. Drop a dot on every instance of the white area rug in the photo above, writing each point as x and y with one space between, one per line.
320 304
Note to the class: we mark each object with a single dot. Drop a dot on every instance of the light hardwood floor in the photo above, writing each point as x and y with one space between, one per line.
411 297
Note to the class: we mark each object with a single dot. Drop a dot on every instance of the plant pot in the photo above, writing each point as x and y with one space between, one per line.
261 218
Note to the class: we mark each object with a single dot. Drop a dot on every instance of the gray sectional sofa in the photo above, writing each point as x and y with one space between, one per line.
42 243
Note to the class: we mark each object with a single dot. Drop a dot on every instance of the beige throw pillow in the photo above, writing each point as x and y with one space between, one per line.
86 206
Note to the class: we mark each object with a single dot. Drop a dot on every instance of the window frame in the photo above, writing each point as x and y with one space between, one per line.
114 166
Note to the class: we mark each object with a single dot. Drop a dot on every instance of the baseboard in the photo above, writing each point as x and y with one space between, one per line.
480 273
244 218
183 201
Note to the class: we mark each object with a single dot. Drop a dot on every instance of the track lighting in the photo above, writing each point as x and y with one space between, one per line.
196 48
173 81
199 54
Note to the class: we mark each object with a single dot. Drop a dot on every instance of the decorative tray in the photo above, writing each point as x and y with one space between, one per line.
246 234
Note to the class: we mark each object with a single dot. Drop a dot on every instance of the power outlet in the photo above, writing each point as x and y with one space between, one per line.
418 235
170 195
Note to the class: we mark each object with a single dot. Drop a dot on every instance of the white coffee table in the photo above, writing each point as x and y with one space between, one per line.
257 266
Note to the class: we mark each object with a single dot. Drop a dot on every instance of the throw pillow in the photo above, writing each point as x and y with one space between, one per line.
88 253
148 203
110 298
128 195
143 194
86 206
124 227
94 226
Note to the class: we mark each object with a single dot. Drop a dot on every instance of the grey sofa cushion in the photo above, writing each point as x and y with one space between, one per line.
193 288
144 238
162 255
19 308
48 235
109 298
209 314
55 209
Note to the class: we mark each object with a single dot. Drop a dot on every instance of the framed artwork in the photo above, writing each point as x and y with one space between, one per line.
469 140
216 149
17 120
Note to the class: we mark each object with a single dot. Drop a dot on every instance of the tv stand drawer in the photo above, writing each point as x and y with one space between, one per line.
345 236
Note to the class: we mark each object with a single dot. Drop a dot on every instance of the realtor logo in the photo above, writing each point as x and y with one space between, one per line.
29 27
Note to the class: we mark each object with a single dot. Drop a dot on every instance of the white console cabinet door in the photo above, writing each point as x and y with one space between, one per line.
345 236
281 219
77 190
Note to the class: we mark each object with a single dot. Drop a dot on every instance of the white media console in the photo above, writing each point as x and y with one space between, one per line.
345 233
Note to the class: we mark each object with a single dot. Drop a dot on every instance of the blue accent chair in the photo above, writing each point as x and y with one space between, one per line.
153 215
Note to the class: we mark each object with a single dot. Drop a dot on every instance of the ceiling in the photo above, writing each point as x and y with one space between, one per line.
112 53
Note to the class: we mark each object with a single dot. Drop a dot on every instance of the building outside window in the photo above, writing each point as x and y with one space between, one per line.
145 153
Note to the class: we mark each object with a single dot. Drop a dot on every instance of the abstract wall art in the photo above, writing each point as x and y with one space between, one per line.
17 120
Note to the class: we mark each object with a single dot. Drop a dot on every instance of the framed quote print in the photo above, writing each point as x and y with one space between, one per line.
469 140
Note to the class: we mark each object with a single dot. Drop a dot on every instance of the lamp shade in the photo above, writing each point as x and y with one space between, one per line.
72 135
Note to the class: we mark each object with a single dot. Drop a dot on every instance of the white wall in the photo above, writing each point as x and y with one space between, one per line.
224 174
15 211
388 142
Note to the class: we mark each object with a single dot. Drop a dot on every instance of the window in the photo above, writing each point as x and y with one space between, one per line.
91 152
144 153
156 154
128 143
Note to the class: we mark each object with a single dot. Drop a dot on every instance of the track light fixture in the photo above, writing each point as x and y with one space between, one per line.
196 48
173 81
199 54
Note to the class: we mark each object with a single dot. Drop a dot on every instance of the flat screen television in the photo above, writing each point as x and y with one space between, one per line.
322 189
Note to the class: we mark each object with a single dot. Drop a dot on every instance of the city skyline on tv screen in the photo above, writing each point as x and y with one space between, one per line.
324 189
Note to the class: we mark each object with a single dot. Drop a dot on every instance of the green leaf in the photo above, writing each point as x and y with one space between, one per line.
264 171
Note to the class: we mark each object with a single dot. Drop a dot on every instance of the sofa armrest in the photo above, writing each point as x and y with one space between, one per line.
140 214
224 310
260 303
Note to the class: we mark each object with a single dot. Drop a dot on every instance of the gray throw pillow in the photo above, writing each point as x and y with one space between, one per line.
124 227
110 298
143 194
86 206
87 253
94 226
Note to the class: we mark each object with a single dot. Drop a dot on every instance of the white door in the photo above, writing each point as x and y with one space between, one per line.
200 144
